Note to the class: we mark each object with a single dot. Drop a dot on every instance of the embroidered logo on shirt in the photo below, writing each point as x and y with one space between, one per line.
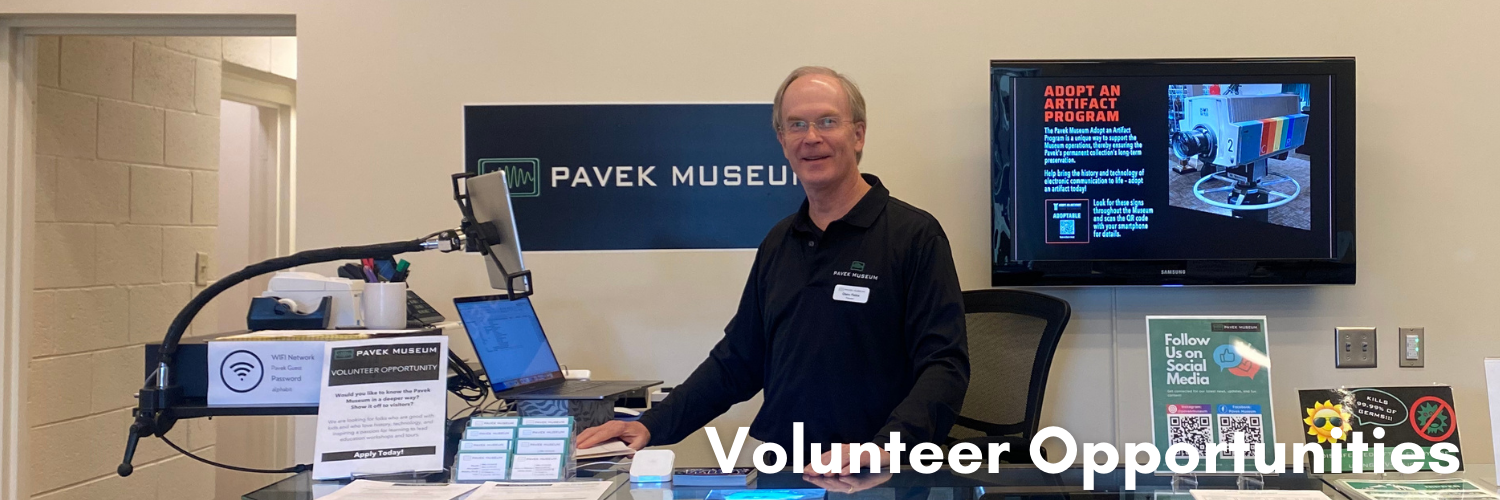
863 276
856 266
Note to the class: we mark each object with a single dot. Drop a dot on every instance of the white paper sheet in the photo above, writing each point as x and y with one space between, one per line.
1492 376
1413 489
378 490
573 490
1258 495
609 449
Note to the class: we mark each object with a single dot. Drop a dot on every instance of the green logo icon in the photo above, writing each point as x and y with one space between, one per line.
856 266
343 354
522 174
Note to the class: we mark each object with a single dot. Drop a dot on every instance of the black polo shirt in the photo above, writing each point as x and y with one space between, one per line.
855 331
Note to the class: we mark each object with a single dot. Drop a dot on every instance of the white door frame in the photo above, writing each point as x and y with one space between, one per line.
18 183
275 92
279 93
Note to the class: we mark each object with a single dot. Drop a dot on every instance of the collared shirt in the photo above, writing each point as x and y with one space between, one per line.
855 331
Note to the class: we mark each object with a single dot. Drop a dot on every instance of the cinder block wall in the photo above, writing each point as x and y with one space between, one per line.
127 148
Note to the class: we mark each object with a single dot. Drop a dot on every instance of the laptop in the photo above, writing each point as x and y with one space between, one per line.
517 357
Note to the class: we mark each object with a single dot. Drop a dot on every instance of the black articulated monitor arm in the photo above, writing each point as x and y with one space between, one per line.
154 415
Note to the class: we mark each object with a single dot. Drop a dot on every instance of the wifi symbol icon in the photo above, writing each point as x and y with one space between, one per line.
241 371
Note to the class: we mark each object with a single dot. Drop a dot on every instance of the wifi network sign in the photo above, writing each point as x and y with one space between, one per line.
264 373
635 176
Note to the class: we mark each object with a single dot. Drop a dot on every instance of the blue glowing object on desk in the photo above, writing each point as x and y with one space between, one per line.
796 494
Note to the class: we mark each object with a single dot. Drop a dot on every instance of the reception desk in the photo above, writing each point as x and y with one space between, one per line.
1011 482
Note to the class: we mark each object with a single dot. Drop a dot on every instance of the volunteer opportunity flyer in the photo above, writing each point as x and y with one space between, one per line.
382 407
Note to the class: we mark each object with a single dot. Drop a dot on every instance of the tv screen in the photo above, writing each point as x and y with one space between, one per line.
1173 172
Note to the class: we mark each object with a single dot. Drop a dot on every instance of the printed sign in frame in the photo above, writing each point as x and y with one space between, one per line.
1423 415
1210 378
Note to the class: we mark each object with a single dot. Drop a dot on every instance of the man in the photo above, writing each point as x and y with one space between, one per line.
852 319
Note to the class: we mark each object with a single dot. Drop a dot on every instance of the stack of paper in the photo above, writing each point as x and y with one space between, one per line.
574 490
611 448
1258 495
379 490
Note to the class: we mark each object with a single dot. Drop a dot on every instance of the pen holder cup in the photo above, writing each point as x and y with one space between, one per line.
385 306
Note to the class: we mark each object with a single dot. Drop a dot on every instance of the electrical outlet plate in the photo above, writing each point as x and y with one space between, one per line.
1354 347
1411 346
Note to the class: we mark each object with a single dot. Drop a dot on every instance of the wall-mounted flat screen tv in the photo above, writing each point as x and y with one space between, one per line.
1173 172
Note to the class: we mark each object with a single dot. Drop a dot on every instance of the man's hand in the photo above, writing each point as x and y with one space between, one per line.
634 434
844 467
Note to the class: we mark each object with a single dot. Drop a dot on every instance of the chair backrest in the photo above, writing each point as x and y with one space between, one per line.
1012 337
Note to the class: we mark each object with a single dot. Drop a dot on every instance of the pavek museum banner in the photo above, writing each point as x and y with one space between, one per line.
635 176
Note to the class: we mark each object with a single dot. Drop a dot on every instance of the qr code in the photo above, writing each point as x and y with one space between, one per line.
1191 429
1248 424
1065 227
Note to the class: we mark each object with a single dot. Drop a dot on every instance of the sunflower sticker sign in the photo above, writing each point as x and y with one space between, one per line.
1389 416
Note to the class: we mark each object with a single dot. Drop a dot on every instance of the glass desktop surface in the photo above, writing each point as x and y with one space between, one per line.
1013 482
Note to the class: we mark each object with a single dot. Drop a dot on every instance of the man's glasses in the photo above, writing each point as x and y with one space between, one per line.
799 127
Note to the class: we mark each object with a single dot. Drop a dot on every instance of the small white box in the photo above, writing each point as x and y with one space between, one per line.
652 466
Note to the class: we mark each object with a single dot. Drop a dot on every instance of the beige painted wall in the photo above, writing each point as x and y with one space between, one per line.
127 193
127 159
381 83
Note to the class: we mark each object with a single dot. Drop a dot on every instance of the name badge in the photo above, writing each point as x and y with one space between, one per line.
846 293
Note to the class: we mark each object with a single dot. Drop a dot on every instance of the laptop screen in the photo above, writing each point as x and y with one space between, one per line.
509 340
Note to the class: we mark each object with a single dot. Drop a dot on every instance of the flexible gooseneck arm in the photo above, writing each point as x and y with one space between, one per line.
152 414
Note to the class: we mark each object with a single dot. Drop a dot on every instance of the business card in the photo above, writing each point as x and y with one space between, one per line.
546 421
544 433
494 422
490 433
481 467
536 467
541 446
484 445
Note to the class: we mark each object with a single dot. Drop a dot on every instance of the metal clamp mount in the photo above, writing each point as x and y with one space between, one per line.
479 237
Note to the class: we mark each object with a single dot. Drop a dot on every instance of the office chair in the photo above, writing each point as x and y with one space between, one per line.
1012 336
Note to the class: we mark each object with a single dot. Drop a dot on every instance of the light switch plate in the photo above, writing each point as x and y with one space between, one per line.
1411 346
1354 347
200 269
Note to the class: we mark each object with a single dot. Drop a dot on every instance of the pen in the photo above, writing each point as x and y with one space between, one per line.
401 266
370 275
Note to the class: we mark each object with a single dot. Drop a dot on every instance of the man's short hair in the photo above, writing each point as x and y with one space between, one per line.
856 100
